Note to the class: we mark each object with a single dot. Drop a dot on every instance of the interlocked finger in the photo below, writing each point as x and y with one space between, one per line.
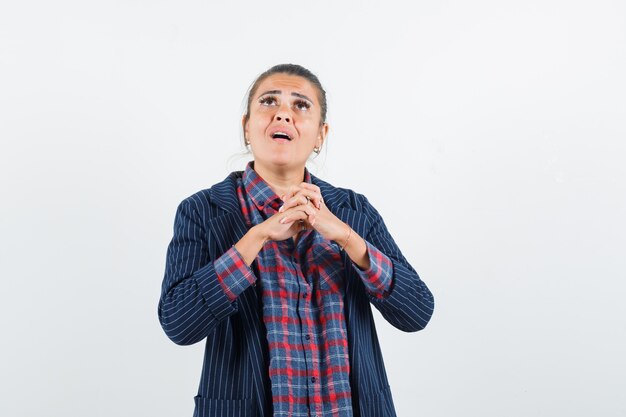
299 211
302 197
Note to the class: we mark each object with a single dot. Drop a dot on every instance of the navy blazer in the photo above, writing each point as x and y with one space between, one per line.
235 374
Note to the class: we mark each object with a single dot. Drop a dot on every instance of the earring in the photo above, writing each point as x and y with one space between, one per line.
316 150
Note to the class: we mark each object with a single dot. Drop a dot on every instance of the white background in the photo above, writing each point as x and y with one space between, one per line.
490 135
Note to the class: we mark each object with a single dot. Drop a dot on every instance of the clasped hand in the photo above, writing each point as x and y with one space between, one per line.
303 208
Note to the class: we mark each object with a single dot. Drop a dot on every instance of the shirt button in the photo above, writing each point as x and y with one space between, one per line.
307 337
312 379
304 295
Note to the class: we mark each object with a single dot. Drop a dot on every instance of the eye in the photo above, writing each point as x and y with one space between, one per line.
267 100
302 105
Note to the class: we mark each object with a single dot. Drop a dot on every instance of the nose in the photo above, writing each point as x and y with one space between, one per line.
282 114
280 117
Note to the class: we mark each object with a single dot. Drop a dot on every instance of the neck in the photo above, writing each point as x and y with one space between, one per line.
280 179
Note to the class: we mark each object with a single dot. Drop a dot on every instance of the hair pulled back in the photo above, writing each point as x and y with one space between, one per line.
290 69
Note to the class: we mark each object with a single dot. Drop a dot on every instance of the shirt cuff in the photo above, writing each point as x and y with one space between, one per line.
378 279
233 274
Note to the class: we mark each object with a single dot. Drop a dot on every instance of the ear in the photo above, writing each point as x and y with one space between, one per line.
321 137
244 125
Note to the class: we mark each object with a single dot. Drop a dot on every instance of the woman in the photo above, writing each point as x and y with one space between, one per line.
277 270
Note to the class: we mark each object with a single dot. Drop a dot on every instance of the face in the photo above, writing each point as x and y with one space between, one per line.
284 123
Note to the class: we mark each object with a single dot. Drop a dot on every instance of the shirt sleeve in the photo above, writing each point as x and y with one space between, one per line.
233 274
378 279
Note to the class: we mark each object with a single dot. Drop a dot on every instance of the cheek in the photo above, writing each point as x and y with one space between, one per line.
309 128
264 112
259 121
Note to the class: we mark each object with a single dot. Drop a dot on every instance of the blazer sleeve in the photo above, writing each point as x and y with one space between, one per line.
192 301
409 304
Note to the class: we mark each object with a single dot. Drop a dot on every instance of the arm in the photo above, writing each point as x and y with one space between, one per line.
199 292
193 301
409 303
391 284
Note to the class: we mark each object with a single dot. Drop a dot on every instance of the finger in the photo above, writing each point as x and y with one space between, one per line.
301 198
293 215
312 198
298 199
310 186
291 191
292 202
306 208
317 192
301 212
310 212
294 189
310 215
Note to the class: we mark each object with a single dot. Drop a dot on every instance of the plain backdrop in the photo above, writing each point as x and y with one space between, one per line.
490 135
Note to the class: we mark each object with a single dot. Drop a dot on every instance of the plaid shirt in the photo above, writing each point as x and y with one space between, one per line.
302 288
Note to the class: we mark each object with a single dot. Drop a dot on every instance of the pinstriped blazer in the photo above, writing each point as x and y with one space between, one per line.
235 374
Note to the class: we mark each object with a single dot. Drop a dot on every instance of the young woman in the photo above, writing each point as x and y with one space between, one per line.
278 270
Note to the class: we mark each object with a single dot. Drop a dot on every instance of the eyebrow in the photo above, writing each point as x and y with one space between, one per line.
293 94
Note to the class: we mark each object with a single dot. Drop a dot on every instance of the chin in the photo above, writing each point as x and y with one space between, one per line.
286 162
282 163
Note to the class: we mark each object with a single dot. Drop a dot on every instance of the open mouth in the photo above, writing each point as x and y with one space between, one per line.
281 135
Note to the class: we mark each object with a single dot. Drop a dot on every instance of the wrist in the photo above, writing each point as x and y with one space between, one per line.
259 234
342 234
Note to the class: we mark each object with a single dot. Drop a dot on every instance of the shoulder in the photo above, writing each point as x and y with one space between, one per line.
214 200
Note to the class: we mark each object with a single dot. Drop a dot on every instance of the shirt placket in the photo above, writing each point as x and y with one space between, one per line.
305 329
307 332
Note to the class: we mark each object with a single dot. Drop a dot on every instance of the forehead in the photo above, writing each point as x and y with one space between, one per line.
287 83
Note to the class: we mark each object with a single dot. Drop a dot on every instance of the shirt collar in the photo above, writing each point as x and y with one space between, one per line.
260 192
